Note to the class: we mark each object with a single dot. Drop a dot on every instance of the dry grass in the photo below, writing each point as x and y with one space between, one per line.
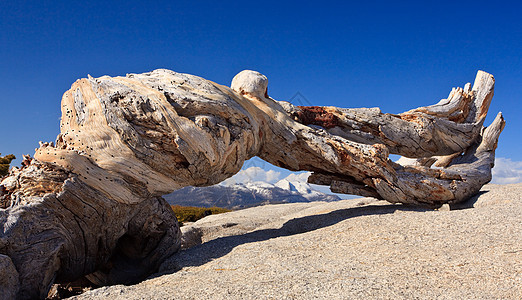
192 214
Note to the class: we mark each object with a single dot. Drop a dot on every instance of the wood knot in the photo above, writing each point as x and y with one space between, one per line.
317 115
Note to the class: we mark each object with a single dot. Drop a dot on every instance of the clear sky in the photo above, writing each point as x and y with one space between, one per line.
396 55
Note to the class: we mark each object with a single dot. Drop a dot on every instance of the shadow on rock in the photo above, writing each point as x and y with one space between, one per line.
211 250
469 203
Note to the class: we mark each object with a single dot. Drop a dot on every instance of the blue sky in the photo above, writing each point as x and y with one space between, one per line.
396 55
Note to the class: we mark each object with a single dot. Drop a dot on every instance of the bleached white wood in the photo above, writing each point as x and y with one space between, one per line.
89 204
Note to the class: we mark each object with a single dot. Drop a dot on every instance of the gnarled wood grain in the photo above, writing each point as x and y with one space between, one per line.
90 204
447 127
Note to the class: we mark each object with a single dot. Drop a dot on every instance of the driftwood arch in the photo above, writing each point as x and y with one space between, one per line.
90 205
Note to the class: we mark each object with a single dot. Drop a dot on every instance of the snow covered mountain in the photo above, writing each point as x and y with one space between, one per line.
247 194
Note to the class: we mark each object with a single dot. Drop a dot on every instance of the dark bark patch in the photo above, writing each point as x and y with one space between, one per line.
316 115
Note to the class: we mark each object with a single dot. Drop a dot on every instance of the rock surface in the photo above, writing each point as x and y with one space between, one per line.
350 249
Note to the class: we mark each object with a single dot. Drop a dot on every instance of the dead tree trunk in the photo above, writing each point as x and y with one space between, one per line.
60 229
90 206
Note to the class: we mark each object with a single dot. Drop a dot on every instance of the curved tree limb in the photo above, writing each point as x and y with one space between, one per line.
448 127
90 206
364 169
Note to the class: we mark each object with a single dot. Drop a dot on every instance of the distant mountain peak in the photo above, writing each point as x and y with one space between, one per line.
248 194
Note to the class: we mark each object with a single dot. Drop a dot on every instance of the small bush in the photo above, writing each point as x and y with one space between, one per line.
192 214
4 164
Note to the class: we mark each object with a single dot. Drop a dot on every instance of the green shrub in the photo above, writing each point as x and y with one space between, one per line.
192 214
4 164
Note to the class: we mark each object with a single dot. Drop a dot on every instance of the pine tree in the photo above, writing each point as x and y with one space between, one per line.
4 164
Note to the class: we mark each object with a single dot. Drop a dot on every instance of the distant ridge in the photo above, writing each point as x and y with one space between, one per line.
243 195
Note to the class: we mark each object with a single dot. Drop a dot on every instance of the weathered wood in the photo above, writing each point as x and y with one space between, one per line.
418 184
9 281
73 230
90 205
447 127
364 168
